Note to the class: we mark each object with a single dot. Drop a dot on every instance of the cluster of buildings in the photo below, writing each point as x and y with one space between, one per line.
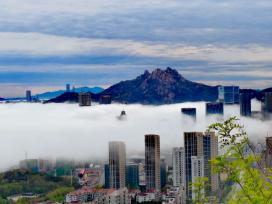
230 95
122 177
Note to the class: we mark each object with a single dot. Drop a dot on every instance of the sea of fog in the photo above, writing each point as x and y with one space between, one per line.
70 131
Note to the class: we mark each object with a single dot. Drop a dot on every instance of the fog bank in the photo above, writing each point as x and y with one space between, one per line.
67 130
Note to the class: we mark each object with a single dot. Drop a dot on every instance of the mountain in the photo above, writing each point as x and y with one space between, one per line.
65 97
2 99
54 94
70 97
160 87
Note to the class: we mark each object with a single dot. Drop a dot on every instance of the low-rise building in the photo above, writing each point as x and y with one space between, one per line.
150 196
99 196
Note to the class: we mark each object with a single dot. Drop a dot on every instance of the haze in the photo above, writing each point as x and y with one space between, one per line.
70 131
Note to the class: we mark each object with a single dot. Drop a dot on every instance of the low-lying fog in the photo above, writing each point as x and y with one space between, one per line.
67 130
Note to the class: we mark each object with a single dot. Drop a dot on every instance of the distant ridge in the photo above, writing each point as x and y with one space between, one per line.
54 94
158 87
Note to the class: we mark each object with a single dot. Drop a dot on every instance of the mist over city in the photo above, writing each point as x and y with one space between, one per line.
135 102
72 132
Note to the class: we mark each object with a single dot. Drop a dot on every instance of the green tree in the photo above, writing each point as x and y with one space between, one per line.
198 187
58 195
251 182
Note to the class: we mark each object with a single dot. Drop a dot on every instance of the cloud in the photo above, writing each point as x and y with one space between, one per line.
66 130
207 33
48 45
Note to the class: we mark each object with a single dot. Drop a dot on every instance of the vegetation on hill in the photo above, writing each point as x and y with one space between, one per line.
22 181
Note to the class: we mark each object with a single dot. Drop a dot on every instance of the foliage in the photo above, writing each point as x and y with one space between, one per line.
198 187
58 195
19 181
251 181
3 201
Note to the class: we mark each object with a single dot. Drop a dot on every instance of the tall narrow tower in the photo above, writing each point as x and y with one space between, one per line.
117 165
178 160
152 162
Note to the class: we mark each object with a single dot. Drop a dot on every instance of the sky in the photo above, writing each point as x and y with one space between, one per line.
82 133
45 44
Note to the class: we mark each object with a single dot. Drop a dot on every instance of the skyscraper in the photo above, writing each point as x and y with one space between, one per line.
84 99
268 102
132 176
228 94
117 164
215 108
178 160
205 145
152 162
197 169
245 104
163 173
28 96
106 176
68 88
105 99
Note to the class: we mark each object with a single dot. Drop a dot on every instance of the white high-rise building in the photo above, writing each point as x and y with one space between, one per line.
197 170
178 159
117 165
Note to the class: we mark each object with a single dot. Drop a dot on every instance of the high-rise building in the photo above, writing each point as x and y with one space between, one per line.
106 176
268 102
105 99
197 169
152 162
245 104
178 160
189 112
28 96
163 173
84 99
215 108
132 176
228 94
68 88
205 145
117 164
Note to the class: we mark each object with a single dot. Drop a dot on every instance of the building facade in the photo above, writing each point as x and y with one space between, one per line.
215 108
245 104
205 145
197 170
28 96
267 106
228 94
117 164
152 162
132 176
178 161
189 112
84 99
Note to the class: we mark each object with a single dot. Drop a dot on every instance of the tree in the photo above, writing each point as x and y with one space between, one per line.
58 194
251 181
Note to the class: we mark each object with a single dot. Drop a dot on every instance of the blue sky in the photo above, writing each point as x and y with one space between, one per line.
45 44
